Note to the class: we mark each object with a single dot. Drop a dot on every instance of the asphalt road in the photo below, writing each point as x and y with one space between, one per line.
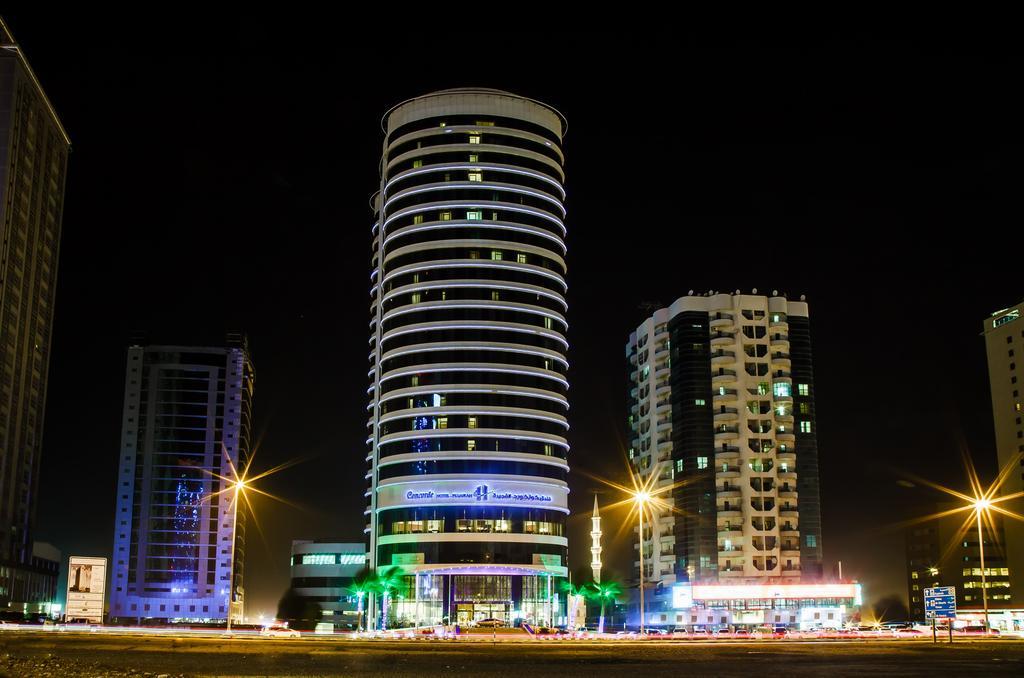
66 654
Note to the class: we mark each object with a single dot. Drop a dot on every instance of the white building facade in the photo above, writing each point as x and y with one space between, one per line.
722 412
467 454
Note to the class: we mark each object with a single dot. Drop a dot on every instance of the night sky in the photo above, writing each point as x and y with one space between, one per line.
220 176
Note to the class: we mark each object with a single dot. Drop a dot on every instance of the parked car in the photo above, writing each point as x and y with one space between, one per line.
277 631
490 623
742 633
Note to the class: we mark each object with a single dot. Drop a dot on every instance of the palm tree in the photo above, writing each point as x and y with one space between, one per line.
605 591
362 584
385 581
573 593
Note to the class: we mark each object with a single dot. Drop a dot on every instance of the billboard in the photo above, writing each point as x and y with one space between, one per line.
87 579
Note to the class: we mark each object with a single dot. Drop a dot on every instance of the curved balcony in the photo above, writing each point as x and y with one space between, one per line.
724 433
727 472
779 342
781 360
787 475
727 453
719 358
726 414
779 325
721 321
731 533
722 339
730 492
790 550
723 377
729 396
787 436
787 492
730 512
787 457
790 570
789 530
790 512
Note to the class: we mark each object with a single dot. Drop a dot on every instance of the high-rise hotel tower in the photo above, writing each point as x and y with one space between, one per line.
722 406
466 445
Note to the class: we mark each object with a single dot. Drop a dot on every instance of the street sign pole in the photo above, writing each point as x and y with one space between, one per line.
935 638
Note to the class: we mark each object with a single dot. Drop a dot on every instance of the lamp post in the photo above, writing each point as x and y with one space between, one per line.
641 498
239 486
979 506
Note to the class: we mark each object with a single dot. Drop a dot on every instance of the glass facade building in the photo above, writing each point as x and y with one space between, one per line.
33 164
186 426
466 436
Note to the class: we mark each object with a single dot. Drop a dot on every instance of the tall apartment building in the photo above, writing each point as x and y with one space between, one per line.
1004 345
33 164
466 436
187 424
944 552
721 405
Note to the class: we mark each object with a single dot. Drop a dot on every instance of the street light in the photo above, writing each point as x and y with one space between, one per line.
239 487
642 500
981 502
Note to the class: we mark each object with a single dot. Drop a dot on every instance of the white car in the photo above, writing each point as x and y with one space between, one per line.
279 632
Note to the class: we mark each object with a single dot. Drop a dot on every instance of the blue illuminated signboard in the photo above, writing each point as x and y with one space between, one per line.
940 602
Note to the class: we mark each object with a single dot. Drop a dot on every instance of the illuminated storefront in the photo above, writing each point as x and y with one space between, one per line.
803 606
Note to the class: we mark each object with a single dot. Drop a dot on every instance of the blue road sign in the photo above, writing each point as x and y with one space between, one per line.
940 602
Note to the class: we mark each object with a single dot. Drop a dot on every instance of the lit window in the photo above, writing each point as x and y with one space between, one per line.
700 402
470 445
805 427
442 422
473 157
418 219
321 558
805 408
762 388
414 381
474 138
913 575
812 541
473 254
474 215
415 298
548 450
495 296
521 259
485 123
476 176
417 163
782 389
446 216
472 422
495 255
702 462
803 389
435 525
547 323
679 465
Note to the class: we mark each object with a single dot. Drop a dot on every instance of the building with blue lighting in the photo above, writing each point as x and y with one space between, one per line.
466 433
186 427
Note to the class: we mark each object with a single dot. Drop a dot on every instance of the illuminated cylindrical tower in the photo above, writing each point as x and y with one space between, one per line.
466 443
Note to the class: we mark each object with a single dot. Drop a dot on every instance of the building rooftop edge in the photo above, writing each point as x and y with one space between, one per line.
473 90
12 46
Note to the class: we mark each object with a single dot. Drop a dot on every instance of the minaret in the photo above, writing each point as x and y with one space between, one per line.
595 546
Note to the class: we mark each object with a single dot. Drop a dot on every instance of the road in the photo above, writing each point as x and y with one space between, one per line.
84 654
